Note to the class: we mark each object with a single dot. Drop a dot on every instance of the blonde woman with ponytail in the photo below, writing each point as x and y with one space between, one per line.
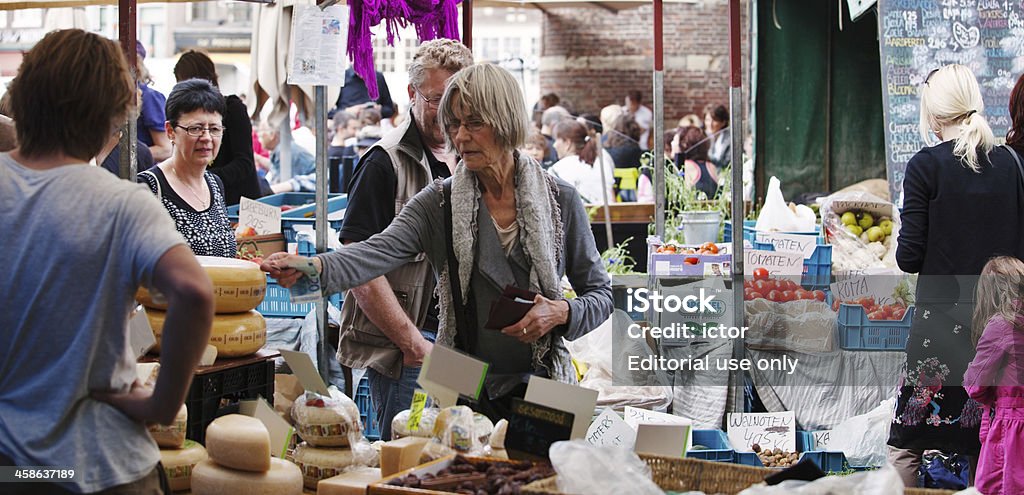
963 204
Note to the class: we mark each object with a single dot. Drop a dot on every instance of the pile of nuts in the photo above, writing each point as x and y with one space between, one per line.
478 477
775 458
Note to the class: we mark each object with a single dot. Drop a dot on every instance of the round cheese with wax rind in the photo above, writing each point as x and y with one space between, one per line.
282 478
178 464
326 421
238 286
239 442
234 335
319 464
171 436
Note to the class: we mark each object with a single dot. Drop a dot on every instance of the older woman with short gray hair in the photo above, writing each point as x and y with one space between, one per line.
499 221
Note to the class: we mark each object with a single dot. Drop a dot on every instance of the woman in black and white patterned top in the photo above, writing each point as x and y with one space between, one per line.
193 196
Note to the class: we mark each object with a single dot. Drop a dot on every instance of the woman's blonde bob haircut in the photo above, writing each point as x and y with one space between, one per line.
950 96
492 94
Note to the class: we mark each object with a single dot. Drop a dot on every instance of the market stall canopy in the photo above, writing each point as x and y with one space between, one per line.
611 6
50 4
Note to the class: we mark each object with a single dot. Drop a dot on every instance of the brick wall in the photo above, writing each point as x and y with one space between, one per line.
592 57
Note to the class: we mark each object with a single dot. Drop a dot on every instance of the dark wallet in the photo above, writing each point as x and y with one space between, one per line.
511 307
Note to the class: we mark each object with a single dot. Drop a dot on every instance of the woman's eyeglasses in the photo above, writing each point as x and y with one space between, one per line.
197 130
472 125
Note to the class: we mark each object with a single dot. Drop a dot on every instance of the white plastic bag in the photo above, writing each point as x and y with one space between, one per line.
585 468
884 481
776 215
863 438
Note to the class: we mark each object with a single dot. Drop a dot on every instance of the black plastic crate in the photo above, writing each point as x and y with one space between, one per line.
217 393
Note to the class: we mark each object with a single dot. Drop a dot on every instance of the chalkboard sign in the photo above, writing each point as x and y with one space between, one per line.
918 36
532 428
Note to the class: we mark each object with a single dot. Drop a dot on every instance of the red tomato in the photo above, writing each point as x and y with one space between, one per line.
877 315
774 295
804 294
760 274
756 295
709 247
819 295
691 261
788 295
899 313
763 286
791 285
746 294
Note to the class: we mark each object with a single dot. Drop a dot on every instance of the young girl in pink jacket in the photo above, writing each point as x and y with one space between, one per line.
995 377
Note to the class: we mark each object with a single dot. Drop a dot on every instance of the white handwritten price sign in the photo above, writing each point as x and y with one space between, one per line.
610 429
790 243
263 218
779 265
768 430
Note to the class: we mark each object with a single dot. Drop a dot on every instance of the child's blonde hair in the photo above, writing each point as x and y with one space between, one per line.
998 293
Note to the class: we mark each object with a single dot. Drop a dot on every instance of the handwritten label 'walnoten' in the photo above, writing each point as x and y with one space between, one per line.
768 430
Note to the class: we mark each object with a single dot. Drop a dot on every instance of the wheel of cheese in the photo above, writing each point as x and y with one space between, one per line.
239 442
326 421
233 335
238 285
210 478
319 464
178 464
171 436
400 424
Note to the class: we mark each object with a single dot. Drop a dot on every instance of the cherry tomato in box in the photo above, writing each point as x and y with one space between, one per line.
710 247
788 295
774 295
763 286
819 295
760 274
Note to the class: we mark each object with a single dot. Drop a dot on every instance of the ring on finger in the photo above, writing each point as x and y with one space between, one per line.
524 330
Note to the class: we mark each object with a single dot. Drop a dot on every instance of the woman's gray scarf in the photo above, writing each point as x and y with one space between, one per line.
541 237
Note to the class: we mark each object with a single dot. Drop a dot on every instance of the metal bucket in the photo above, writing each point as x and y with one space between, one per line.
700 226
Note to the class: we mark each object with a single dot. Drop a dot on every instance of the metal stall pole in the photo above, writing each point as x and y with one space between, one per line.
657 153
736 113
320 103
126 15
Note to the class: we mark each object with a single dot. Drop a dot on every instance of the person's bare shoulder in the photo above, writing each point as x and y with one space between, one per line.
8 135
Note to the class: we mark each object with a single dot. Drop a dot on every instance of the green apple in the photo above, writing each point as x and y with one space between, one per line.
866 221
886 226
849 218
854 229
876 233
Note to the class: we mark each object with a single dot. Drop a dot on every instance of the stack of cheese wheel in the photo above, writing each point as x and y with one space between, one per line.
238 287
179 463
240 462
325 423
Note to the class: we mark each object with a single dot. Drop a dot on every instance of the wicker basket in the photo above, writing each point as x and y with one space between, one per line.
681 474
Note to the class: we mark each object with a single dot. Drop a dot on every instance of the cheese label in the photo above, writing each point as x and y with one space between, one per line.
419 402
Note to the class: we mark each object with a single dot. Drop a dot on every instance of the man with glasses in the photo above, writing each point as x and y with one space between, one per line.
388 325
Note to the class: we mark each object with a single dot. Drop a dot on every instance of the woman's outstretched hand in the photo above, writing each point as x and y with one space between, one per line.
282 267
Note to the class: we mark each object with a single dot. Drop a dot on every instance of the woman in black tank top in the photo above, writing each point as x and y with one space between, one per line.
690 148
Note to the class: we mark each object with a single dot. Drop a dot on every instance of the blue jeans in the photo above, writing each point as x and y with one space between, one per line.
391 397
